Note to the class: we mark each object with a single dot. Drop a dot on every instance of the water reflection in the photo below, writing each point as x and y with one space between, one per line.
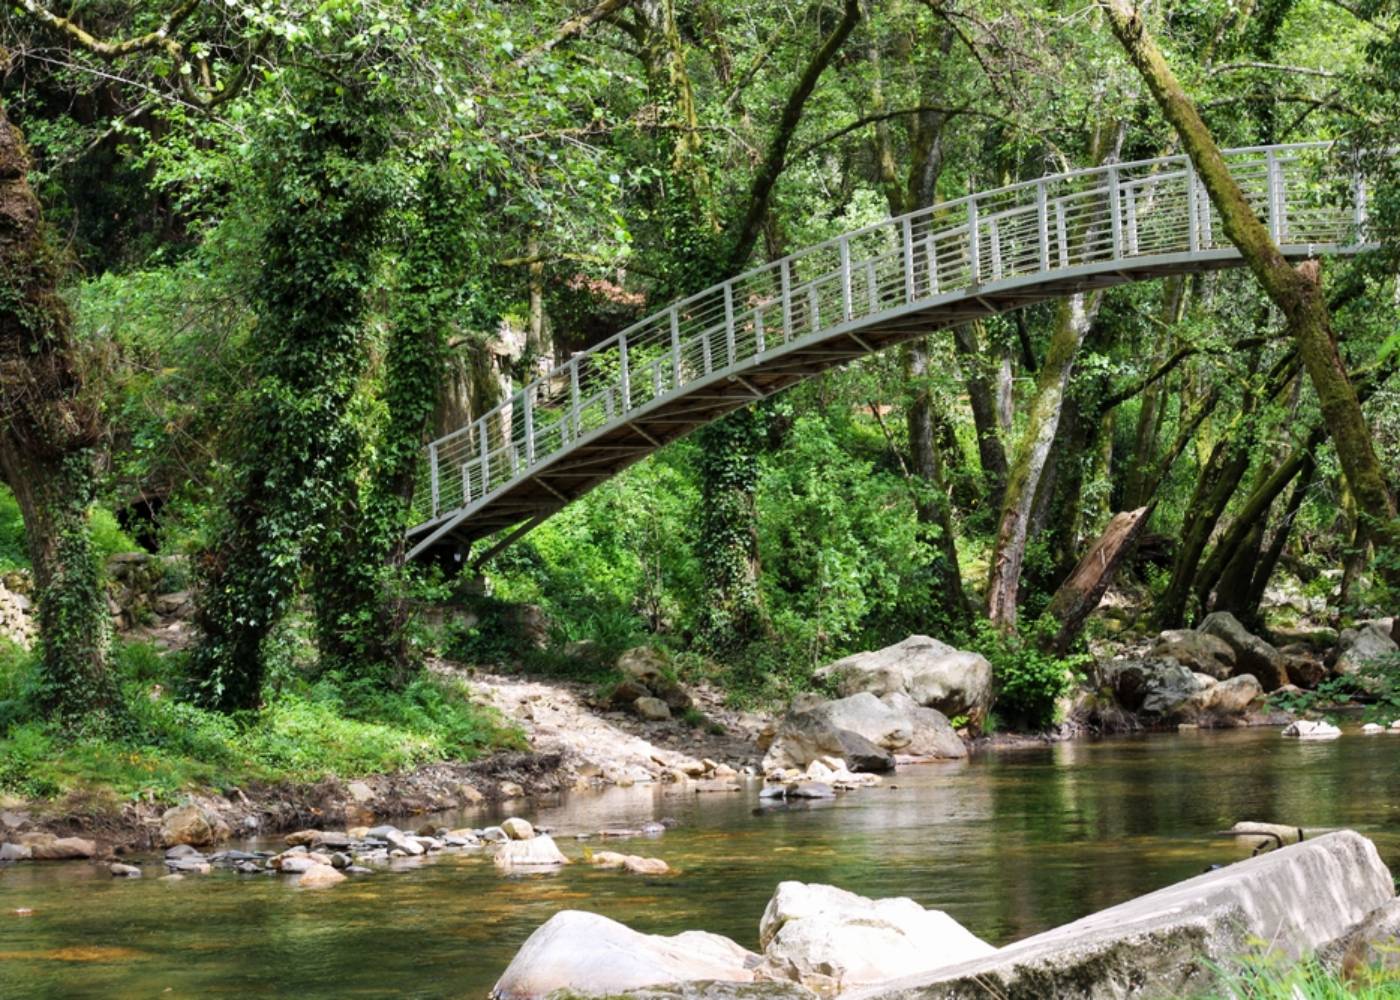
1010 844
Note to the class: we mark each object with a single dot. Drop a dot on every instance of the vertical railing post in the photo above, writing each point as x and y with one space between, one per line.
931 252
1274 187
707 362
814 308
528 401
484 448
433 475
760 337
843 246
994 244
1130 210
974 245
1042 223
676 346
785 290
575 416
1115 208
1193 210
625 371
1061 232
1358 208
729 321
907 243
466 484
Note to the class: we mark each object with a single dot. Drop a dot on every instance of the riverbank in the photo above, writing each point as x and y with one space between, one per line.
1010 843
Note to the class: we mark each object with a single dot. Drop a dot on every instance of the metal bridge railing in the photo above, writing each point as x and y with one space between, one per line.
1121 211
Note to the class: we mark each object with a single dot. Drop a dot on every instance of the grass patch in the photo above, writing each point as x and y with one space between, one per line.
160 746
1272 978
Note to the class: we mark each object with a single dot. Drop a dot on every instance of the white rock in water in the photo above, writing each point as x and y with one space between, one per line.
585 954
518 829
1304 729
537 852
1372 728
828 939
1395 726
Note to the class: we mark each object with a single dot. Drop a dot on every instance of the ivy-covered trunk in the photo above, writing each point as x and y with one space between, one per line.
297 449
733 613
49 430
358 569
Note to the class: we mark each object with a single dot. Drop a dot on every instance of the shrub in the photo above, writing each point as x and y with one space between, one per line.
1028 680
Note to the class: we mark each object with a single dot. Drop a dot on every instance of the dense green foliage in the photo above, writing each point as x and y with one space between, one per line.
162 746
311 237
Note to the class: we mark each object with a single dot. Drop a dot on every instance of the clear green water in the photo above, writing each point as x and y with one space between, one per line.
1010 844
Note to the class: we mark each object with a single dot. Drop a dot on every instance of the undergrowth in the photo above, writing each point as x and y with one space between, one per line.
1273 978
159 745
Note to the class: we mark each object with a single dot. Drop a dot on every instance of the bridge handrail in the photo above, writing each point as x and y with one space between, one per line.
1070 219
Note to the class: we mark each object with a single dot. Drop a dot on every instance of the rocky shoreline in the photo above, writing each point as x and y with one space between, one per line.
895 706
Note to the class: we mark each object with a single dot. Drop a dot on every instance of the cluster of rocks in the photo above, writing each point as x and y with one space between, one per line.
41 846
1217 673
894 709
1330 896
137 589
646 688
822 779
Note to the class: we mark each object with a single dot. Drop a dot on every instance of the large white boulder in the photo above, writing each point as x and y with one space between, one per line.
828 939
933 673
538 852
1167 943
815 728
587 954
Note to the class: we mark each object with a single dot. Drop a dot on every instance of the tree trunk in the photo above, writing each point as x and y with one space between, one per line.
1073 318
983 398
1085 586
49 430
927 466
1297 292
1218 480
733 613
1264 570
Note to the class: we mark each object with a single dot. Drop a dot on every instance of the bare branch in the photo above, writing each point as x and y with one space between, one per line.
1297 70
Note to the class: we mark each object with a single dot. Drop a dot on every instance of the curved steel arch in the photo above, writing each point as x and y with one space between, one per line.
766 329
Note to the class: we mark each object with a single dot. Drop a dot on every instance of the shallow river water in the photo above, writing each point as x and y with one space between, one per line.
1010 843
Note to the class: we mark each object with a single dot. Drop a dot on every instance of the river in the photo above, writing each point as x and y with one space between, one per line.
1009 843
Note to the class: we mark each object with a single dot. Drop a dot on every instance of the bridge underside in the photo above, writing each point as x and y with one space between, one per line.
551 485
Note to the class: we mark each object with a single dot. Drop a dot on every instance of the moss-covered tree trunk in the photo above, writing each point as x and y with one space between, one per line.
297 450
358 586
49 432
1072 321
1296 291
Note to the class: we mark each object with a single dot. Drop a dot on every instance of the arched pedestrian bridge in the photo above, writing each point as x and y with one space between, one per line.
771 327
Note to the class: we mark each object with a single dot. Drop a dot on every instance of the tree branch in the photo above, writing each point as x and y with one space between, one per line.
158 39
571 28
767 176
